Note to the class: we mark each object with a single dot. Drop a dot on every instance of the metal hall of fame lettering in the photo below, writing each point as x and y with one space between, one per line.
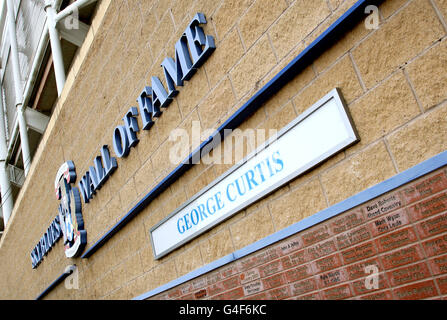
70 211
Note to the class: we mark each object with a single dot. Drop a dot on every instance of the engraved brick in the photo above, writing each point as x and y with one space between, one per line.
274 281
302 287
383 205
315 235
174 293
439 265
201 294
389 222
396 239
428 207
332 278
359 252
326 264
359 270
366 285
290 245
298 273
187 297
425 188
198 283
216 288
337 293
436 246
442 283
432 226
231 282
213 278
270 268
311 296
250 275
347 221
261 296
280 293
295 259
260 258
416 291
185 289
408 274
402 257
229 271
231 295
321 249
384 295
353 237
253 287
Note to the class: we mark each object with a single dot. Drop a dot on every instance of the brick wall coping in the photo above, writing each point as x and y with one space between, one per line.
298 64
390 184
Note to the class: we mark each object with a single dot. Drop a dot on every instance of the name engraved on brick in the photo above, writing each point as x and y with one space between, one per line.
428 207
408 274
442 283
385 295
231 295
358 253
199 283
294 259
439 265
389 222
432 226
270 268
347 221
316 235
402 257
353 237
290 246
216 288
383 205
326 264
228 271
249 276
213 278
332 277
298 273
360 285
200 294
416 291
358 270
185 289
303 287
311 296
322 249
396 239
280 293
425 188
231 283
436 246
260 258
337 293
253 287
273 281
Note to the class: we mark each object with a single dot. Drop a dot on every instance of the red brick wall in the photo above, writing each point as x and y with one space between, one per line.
403 233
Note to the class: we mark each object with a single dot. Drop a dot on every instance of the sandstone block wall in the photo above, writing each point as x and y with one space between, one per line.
393 81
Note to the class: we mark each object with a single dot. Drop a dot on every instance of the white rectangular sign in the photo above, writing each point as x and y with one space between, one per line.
320 132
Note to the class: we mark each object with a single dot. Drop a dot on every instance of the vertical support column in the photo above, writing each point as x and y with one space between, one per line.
18 87
5 184
56 48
